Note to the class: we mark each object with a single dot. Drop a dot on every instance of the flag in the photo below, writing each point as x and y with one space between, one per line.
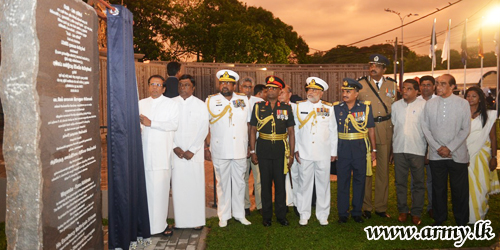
446 45
480 41
432 49
463 46
128 206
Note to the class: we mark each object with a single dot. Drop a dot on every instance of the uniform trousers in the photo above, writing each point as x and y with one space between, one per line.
347 168
405 163
256 185
459 184
272 170
230 175
383 134
311 172
381 181
292 193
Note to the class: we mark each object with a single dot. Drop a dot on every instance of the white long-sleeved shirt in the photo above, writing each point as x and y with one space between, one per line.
193 127
408 136
447 123
157 140
229 135
318 139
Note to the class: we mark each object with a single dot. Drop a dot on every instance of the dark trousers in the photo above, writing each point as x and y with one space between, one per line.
272 170
404 163
344 168
459 184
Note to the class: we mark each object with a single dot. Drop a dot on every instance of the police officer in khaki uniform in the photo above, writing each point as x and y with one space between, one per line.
381 92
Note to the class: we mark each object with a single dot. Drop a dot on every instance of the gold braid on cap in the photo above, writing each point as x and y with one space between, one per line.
226 78
313 85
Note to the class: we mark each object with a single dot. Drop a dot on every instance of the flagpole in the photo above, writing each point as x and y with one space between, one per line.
465 61
449 38
433 47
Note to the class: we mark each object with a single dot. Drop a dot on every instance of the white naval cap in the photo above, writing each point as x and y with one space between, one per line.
226 75
316 83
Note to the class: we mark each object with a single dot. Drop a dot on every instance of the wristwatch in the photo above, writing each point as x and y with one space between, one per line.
252 151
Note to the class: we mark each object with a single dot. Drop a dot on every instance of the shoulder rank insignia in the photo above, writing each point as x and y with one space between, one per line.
390 79
300 101
336 103
212 95
367 102
362 77
326 103
239 93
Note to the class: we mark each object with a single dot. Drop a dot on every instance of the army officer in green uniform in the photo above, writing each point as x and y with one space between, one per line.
275 146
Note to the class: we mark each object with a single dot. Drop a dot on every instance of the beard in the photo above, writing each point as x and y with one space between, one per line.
313 99
226 92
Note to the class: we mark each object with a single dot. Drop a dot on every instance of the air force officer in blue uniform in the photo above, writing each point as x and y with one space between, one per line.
356 149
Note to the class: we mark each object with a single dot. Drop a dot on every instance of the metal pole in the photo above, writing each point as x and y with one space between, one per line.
402 57
396 58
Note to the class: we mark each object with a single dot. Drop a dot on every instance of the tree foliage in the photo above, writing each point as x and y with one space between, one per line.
228 31
412 61
153 24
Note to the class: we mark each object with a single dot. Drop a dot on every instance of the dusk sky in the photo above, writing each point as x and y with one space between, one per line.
326 24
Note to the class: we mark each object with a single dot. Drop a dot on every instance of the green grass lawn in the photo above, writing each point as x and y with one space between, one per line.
334 236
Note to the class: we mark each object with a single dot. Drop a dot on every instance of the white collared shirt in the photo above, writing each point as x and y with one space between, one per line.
193 127
317 140
157 139
229 135
408 136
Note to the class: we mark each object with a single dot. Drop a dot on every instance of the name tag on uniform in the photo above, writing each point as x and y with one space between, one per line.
239 103
359 116
305 113
218 105
282 114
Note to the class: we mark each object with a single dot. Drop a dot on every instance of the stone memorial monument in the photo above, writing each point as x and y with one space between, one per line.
50 93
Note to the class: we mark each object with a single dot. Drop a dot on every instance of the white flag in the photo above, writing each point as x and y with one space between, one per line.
446 45
433 47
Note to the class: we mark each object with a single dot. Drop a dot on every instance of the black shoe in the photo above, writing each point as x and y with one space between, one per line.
358 219
383 214
247 212
266 223
342 220
296 211
283 222
367 214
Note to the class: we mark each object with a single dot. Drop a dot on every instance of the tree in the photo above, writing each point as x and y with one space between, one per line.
153 22
228 31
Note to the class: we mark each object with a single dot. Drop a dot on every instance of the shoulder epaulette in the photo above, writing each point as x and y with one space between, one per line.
363 77
326 103
240 93
260 102
367 102
284 103
212 95
390 79
336 103
297 102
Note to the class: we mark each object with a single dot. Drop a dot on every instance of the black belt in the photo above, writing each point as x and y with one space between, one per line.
382 118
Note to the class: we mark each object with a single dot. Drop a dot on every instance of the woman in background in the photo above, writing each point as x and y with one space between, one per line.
482 146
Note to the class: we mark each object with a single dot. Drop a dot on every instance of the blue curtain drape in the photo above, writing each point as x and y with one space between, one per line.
128 207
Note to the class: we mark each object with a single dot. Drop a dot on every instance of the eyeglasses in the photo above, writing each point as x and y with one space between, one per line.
156 84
